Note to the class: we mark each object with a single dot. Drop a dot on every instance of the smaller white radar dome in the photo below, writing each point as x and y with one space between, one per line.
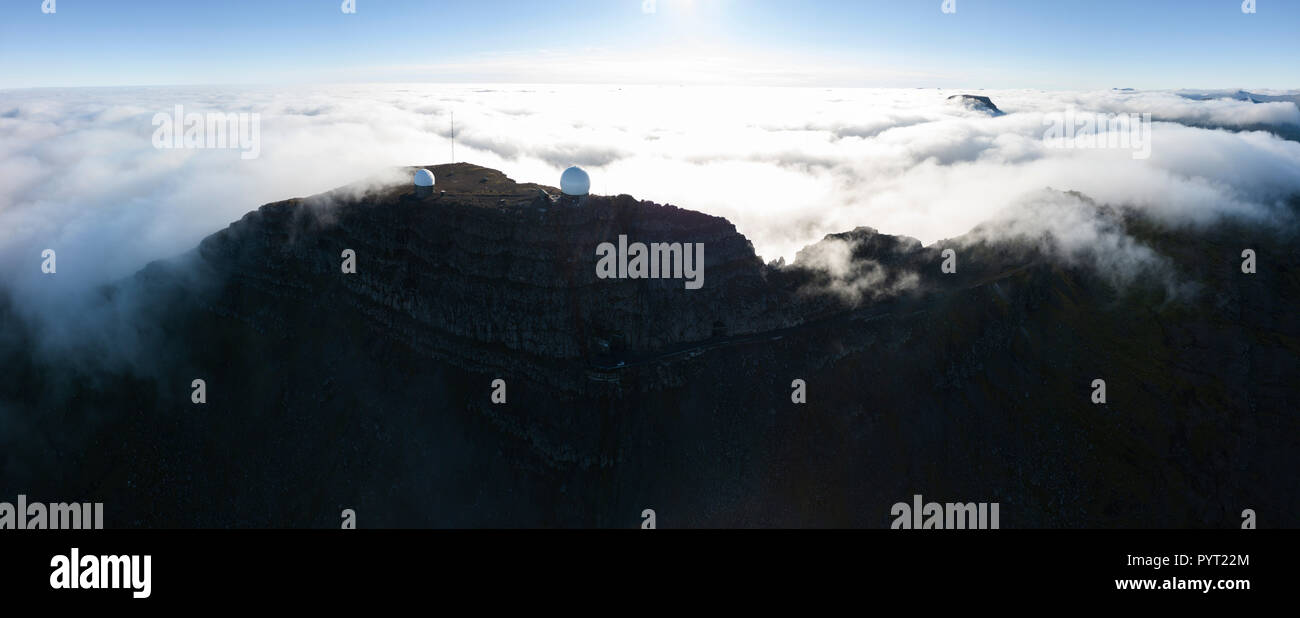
574 181
424 178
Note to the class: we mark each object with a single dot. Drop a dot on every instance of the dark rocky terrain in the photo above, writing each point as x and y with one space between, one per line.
978 103
371 391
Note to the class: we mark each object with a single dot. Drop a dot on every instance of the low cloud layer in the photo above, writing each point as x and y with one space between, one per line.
786 165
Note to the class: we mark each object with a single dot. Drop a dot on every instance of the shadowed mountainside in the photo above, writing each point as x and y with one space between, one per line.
370 391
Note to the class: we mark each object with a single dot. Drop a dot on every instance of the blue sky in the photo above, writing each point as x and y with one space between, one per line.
1058 44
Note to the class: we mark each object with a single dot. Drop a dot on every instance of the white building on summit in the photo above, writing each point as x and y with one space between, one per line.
423 178
575 182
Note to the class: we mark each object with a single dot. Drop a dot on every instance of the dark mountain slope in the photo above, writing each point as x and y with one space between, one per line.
371 391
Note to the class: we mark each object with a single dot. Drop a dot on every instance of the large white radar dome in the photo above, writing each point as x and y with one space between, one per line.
574 181
424 178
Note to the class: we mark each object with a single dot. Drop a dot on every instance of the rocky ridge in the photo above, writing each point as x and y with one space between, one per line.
371 391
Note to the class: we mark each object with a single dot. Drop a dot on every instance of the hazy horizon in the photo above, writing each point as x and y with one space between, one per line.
1072 44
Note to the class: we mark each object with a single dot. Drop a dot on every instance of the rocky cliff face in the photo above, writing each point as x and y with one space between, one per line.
976 103
371 391
493 275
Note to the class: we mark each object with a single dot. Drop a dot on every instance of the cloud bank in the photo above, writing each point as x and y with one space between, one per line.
786 165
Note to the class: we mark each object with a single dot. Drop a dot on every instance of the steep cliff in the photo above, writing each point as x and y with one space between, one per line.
371 391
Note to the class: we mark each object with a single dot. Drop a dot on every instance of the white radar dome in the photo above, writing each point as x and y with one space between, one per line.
575 182
424 178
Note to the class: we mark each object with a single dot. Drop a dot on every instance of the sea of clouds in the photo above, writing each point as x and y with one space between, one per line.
786 165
